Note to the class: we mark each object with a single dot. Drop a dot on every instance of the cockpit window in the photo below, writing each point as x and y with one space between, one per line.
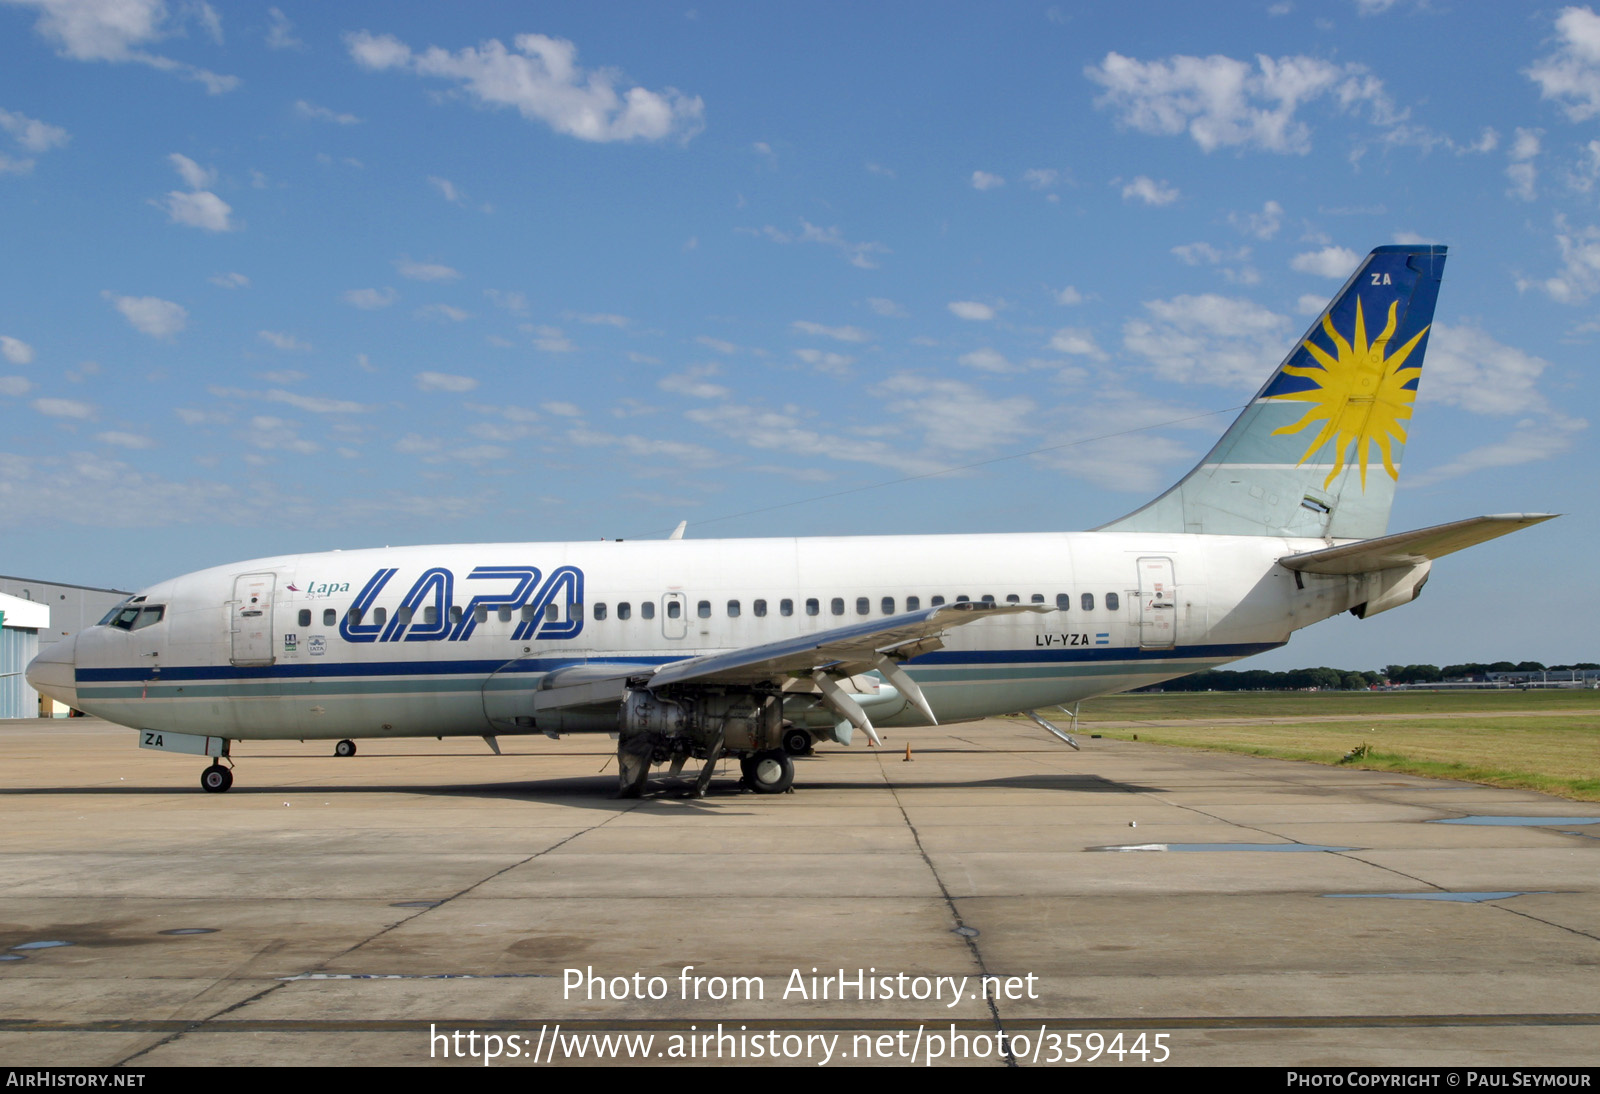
134 617
112 614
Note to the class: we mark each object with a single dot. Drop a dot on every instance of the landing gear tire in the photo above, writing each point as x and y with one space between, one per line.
345 748
633 770
796 742
770 772
215 779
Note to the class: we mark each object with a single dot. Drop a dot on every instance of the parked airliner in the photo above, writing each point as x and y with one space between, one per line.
689 649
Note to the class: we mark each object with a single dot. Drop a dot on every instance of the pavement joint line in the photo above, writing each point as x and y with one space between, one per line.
955 913
199 1024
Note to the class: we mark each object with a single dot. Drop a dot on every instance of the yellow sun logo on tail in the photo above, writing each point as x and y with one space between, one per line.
1360 397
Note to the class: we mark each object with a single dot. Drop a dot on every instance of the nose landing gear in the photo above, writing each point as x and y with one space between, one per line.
216 779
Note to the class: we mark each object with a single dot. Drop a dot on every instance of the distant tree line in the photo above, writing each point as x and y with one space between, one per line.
1327 679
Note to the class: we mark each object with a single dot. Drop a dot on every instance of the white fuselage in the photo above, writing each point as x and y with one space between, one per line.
456 639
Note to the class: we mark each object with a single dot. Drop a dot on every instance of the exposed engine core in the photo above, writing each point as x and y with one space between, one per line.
698 721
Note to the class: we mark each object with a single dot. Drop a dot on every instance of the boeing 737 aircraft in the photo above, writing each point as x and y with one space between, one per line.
699 649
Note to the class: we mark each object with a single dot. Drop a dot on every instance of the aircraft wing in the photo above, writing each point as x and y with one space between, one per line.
1410 548
842 651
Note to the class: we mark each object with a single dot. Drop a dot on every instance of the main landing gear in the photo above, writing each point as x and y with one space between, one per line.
769 772
216 779
345 748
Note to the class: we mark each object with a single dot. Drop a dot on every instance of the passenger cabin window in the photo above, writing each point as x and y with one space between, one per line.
380 615
704 609
674 609
1037 598
430 616
988 598
1113 602
759 607
813 606
505 615
888 605
785 607
733 609
480 614
837 605
1063 601
936 602
330 617
455 613
647 610
863 605
305 617
1088 602
552 614
528 613
624 609
963 599
913 603
1013 598
354 615
600 611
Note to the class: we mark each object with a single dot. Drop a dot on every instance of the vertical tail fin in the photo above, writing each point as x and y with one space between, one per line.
1317 451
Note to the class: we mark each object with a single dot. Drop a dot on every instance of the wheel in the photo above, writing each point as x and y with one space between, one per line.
345 748
771 772
796 741
633 768
215 779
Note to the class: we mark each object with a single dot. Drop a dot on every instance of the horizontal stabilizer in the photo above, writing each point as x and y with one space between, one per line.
1410 548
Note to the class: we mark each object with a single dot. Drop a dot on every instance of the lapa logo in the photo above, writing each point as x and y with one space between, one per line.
428 611
321 588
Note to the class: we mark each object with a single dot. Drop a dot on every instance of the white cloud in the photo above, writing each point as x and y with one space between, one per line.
124 440
15 386
510 301
1209 339
286 342
149 314
111 30
15 350
982 180
1310 304
549 339
1150 192
1521 172
447 188
444 311
987 360
1076 341
1069 296
425 271
1571 75
280 35
63 408
604 319
860 254
1262 225
956 416
717 344
371 299
199 209
1580 265
543 81
323 114
970 309
1225 103
194 176
278 434
1041 178
841 334
33 135
444 381
1532 440
837 364
694 383
886 308
230 280
1468 368
1335 262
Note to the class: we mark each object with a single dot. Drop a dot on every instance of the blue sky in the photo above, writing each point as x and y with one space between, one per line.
315 275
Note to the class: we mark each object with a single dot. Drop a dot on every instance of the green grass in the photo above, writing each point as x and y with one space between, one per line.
1547 741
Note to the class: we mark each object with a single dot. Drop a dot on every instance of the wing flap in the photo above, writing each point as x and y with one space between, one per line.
1410 548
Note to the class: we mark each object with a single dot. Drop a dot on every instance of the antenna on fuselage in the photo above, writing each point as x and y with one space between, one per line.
677 533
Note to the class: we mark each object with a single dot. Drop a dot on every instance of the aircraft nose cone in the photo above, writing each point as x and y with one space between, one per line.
54 672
